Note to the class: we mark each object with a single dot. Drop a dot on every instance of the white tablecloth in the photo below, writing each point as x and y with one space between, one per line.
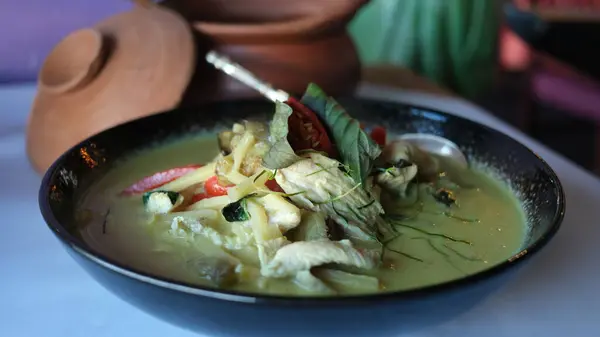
44 293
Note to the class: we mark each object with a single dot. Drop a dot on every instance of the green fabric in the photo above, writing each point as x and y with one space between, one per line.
452 42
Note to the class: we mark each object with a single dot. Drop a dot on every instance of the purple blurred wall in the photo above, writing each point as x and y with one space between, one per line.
29 29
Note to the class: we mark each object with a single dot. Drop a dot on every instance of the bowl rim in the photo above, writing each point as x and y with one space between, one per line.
71 241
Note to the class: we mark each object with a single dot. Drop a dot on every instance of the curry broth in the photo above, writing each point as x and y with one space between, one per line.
484 228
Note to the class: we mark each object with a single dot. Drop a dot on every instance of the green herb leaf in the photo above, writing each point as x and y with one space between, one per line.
236 211
280 154
357 150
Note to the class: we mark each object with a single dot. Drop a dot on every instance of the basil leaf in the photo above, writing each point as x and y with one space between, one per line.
280 154
236 211
357 150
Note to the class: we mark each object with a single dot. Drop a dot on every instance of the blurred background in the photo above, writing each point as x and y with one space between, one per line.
532 63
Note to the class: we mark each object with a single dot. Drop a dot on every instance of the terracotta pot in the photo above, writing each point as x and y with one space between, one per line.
287 43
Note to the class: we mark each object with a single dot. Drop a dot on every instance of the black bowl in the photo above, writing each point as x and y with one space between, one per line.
232 313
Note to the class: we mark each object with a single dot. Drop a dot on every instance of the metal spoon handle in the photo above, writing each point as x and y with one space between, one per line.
243 75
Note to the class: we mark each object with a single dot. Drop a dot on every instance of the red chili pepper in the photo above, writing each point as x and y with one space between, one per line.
378 134
307 131
198 197
273 186
158 179
214 189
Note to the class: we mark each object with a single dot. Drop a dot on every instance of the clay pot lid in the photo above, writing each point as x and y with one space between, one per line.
131 65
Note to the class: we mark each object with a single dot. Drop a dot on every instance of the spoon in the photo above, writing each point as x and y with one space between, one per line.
429 143
437 145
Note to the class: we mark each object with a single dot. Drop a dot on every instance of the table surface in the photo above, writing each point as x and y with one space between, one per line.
45 293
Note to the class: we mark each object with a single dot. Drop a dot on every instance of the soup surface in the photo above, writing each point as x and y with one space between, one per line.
458 223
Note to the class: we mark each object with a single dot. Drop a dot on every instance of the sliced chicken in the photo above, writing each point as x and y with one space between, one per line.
321 186
303 255
307 281
280 212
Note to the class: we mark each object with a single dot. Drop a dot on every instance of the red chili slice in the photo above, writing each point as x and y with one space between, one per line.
378 134
216 188
213 188
307 131
273 186
158 179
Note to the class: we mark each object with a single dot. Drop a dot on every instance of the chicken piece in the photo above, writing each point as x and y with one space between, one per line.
402 154
322 187
341 280
280 212
307 281
312 227
268 249
303 255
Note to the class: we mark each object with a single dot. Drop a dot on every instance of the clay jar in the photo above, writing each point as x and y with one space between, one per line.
287 43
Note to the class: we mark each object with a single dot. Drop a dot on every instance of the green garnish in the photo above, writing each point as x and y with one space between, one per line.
260 175
339 196
468 258
390 240
342 221
323 169
367 205
449 215
447 237
236 211
405 255
456 217
287 195
437 249
273 175
357 150
399 165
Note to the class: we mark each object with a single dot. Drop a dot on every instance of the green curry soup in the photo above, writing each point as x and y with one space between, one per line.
458 223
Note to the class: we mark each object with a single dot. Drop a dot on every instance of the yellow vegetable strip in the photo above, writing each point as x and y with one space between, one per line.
195 177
